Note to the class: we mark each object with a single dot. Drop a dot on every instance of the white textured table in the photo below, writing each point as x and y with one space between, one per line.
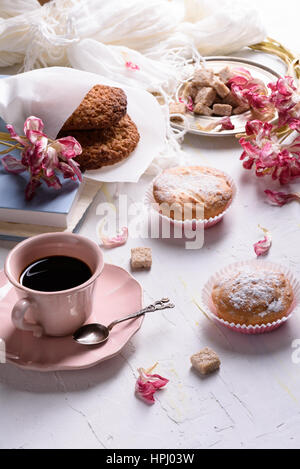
253 402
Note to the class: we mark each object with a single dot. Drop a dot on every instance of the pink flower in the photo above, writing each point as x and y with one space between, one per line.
132 66
43 157
262 247
268 155
250 90
147 384
116 241
285 97
266 148
281 198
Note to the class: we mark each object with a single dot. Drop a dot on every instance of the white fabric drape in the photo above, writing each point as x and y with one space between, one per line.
160 37
100 35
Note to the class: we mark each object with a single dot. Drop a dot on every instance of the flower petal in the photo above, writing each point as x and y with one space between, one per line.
132 66
189 104
31 187
67 171
147 384
286 99
33 123
76 168
50 161
12 164
262 247
52 181
226 124
22 140
116 241
281 198
69 147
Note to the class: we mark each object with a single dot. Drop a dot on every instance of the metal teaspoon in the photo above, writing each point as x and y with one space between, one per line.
95 334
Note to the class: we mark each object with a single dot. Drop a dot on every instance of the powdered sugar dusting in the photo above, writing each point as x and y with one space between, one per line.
250 289
193 182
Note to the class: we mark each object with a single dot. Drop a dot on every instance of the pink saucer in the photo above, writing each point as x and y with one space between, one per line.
117 294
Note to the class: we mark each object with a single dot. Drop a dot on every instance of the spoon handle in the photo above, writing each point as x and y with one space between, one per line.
164 303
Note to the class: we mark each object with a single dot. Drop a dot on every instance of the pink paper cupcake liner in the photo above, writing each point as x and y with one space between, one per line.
209 307
189 225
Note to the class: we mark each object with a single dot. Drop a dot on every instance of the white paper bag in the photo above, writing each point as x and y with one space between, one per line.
52 94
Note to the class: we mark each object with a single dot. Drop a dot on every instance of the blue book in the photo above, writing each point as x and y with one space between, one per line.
49 207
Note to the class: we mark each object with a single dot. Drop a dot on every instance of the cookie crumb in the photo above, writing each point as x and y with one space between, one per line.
206 361
141 258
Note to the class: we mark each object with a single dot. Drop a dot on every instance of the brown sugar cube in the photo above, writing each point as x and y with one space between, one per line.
202 110
222 109
231 100
141 258
206 361
203 77
241 108
177 108
206 96
225 74
192 90
218 100
220 88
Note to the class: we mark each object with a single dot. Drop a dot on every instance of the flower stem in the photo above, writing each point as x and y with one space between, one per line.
271 46
11 147
285 136
6 136
149 371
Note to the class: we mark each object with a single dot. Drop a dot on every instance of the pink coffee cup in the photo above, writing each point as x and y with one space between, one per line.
53 313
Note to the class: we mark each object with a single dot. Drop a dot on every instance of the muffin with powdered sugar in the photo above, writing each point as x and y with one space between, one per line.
253 297
180 191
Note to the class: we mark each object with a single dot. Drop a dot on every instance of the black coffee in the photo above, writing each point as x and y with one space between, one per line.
55 273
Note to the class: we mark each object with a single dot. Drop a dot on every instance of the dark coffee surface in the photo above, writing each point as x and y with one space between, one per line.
55 273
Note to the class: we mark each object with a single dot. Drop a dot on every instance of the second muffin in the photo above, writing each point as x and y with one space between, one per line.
253 297
192 185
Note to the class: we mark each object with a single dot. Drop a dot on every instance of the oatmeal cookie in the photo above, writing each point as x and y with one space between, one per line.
105 147
102 107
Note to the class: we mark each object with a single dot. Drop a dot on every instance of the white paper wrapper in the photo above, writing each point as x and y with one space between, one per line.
209 307
189 225
52 94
